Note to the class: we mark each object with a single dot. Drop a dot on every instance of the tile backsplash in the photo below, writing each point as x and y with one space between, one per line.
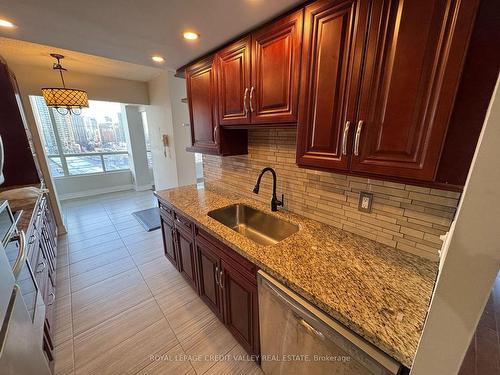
406 217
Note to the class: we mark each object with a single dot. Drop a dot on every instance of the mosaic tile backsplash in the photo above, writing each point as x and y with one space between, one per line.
406 217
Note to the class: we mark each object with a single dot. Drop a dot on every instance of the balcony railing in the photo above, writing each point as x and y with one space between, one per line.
88 163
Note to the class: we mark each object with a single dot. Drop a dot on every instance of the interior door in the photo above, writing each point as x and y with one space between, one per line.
412 67
334 33
200 84
276 52
167 229
185 246
208 274
240 307
233 83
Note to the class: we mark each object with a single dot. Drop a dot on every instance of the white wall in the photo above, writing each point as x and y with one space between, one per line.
182 134
32 78
172 166
92 184
472 260
136 143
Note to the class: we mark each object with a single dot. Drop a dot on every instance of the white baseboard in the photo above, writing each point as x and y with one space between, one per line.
92 192
143 187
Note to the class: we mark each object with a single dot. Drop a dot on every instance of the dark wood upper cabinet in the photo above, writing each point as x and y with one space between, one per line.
332 52
200 84
274 91
233 83
414 56
207 136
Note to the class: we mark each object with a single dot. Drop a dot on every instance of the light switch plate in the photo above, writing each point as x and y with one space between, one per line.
365 202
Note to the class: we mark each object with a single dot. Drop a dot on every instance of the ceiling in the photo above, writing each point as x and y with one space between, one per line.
134 30
33 54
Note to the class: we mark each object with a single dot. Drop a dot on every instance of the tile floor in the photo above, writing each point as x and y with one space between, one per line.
483 356
122 308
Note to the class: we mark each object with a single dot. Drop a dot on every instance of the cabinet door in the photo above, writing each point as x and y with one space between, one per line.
275 71
200 84
334 33
240 307
185 245
208 273
167 229
412 67
233 83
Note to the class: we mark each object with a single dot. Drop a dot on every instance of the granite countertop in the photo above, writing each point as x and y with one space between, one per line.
26 205
380 293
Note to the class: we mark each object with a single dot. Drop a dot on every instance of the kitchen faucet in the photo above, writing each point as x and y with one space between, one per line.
274 201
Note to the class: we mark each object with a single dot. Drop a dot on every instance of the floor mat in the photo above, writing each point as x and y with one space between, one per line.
149 219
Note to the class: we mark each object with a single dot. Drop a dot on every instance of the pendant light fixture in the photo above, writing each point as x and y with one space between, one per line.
65 101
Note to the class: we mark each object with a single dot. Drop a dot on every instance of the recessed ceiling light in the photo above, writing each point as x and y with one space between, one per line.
190 35
5 23
158 59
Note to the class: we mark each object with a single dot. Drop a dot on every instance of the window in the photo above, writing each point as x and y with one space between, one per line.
146 137
93 142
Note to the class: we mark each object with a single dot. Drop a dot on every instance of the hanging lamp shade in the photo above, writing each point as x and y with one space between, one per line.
65 98
69 100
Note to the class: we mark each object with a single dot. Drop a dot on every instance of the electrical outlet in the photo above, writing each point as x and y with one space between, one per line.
365 202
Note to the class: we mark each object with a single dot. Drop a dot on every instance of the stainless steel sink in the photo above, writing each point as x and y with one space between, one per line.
258 226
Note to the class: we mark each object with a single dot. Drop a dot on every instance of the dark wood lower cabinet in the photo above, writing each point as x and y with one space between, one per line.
167 229
240 307
223 279
209 268
184 241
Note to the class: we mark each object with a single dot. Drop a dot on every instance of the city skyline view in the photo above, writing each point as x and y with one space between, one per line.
100 129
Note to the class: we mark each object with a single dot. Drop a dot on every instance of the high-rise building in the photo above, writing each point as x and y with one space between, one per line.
120 129
79 131
42 116
107 133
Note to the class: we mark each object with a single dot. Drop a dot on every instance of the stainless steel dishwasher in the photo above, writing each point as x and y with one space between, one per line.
297 338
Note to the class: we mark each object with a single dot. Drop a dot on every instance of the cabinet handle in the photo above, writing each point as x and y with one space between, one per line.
221 279
251 99
358 134
53 298
344 140
217 275
245 108
20 237
43 264
215 134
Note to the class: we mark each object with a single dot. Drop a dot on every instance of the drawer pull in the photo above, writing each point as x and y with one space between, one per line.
52 294
43 264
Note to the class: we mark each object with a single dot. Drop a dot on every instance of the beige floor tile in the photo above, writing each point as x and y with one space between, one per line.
90 228
99 302
115 330
177 294
91 242
131 230
88 234
63 329
236 362
160 265
99 260
189 319
98 250
141 257
95 275
132 354
63 353
140 237
174 362
162 282
209 343
145 245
